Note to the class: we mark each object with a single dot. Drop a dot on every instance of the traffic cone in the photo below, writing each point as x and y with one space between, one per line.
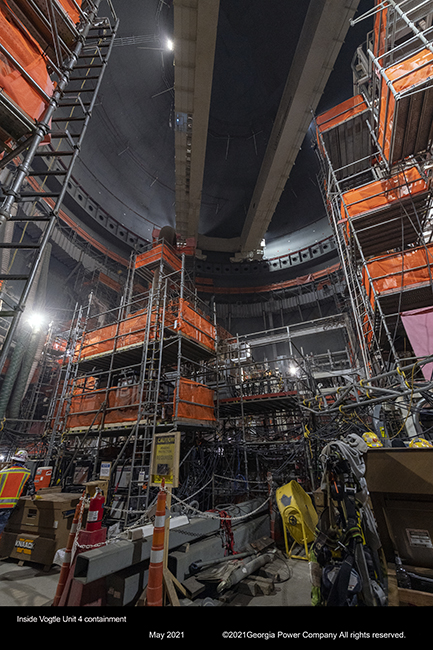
156 565
68 552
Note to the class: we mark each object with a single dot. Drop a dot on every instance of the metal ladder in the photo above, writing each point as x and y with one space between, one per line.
143 430
39 181
60 404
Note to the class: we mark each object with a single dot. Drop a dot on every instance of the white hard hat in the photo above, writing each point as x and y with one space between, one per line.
21 456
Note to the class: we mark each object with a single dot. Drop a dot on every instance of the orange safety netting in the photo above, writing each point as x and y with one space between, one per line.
193 325
196 401
367 329
84 409
404 76
381 194
392 272
153 256
125 401
71 9
130 331
96 342
179 316
341 113
121 406
25 50
84 385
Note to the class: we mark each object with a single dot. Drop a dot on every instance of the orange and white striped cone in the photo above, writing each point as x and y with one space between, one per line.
68 552
156 565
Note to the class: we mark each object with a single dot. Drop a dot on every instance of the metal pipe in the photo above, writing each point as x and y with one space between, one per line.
13 369
23 374
198 566
243 571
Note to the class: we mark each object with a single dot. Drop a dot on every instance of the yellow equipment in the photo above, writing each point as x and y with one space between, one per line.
420 442
371 439
299 517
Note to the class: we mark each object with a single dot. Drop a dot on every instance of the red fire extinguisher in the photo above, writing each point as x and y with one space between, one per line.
96 511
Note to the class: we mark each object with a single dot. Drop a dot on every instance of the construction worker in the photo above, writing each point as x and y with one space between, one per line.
14 481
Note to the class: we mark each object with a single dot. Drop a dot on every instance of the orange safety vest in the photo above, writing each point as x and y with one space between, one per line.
12 482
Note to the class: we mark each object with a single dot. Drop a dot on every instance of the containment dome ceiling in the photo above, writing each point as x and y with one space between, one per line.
203 110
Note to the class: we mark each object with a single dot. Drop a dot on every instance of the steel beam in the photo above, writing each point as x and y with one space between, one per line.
115 556
320 41
195 28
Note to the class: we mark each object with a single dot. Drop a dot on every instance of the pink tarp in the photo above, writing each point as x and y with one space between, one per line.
418 324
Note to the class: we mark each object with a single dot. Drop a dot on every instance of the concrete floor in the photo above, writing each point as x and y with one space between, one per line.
28 585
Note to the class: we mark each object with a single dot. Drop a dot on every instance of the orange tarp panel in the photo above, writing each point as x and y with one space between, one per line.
71 10
24 49
84 385
153 256
403 76
392 272
341 113
132 330
96 342
380 194
196 401
84 408
125 400
194 325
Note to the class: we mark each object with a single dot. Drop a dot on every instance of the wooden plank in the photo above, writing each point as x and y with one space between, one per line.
393 600
171 591
398 597
179 586
414 597
193 587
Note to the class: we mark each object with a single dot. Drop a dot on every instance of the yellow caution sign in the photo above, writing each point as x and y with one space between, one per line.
164 464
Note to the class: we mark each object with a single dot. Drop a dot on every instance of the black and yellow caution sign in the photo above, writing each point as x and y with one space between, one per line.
164 462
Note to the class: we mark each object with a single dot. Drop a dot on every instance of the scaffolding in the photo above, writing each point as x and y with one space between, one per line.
270 384
374 151
146 367
53 57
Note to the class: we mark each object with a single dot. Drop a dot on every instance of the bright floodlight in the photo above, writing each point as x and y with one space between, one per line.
36 320
293 370
170 44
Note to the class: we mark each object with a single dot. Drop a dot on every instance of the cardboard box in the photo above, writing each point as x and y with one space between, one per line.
102 484
38 528
400 482
50 516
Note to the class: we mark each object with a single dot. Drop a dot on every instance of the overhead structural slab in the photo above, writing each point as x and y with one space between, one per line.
195 30
322 36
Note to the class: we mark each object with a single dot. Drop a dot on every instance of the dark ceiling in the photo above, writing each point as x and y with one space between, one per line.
127 164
